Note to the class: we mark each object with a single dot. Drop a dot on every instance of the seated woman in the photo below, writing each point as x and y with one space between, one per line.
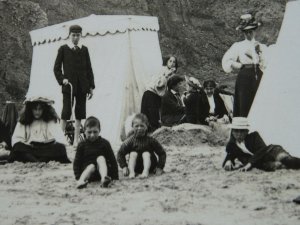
191 100
37 134
212 107
151 102
170 65
172 109
252 152
5 141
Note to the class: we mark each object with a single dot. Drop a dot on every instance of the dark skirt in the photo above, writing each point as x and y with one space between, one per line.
246 85
39 152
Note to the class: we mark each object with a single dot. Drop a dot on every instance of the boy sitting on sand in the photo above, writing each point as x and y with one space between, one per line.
141 149
94 159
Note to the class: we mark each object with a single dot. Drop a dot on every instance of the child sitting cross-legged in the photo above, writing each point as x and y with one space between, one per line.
94 159
142 150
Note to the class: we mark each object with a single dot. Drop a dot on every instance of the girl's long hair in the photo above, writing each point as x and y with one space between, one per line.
26 115
166 59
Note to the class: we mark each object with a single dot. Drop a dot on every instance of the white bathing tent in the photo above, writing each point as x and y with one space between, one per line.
275 112
124 52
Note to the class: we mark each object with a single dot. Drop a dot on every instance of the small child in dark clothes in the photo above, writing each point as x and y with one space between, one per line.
142 150
94 159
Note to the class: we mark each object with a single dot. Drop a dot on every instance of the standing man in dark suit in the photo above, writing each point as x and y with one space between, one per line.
74 59
172 109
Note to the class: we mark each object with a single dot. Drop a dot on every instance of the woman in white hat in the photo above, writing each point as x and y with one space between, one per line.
37 136
252 152
247 56
151 101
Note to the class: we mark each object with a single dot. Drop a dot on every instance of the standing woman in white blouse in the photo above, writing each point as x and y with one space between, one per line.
247 57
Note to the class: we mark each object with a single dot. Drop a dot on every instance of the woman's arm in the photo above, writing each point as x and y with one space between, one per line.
229 60
20 134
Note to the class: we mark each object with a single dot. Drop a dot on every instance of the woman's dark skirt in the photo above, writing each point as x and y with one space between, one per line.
39 152
246 85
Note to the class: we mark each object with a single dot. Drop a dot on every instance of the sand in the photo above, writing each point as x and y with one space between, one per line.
193 190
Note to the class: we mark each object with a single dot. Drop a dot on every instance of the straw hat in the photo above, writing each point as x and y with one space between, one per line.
193 82
247 22
39 99
239 123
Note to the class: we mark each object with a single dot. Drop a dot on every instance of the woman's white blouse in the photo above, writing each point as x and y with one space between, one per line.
212 105
38 131
244 52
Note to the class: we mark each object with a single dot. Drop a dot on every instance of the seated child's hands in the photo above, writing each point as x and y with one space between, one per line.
245 168
228 166
159 171
125 171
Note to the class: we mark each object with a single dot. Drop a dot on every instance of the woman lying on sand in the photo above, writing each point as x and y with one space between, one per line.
252 152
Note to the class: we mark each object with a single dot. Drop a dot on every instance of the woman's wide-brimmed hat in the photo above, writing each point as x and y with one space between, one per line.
193 82
248 22
39 99
239 123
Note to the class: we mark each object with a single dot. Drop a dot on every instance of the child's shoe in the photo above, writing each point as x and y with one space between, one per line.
106 182
81 184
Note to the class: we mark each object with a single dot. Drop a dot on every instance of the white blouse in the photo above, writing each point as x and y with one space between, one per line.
244 52
243 147
38 131
212 105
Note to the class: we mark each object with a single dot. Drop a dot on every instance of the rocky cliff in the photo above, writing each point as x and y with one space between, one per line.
197 31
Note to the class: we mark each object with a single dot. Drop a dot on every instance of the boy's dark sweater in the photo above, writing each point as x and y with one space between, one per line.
87 153
77 69
140 145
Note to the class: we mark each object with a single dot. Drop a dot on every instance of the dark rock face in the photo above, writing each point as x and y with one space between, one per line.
198 32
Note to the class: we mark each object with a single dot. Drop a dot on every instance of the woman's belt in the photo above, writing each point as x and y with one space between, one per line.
249 66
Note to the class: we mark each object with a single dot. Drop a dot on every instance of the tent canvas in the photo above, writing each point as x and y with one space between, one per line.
124 52
275 112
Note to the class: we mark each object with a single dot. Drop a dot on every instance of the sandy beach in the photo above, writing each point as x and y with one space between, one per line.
193 190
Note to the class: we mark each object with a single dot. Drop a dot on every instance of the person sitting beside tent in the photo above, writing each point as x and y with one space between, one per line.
170 66
172 109
37 136
191 100
248 57
252 152
212 107
5 141
75 60
142 150
94 159
10 116
151 102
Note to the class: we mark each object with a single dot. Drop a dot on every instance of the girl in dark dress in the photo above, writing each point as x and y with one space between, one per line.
191 100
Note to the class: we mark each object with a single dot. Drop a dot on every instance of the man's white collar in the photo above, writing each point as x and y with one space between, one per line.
71 45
